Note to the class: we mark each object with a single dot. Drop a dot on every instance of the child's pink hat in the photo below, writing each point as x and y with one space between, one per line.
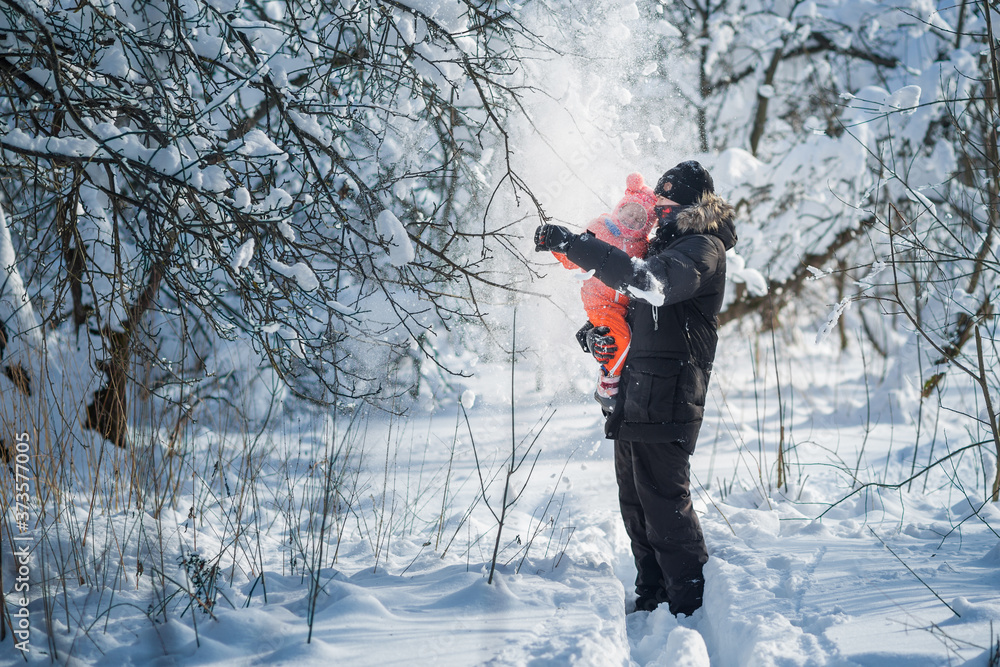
636 191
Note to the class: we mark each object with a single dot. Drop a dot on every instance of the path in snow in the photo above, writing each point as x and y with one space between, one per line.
785 587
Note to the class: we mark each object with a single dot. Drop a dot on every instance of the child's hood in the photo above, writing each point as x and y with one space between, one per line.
636 192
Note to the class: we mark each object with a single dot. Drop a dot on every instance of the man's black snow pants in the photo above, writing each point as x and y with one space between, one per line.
655 498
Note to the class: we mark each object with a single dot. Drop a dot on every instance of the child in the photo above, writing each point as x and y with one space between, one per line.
627 227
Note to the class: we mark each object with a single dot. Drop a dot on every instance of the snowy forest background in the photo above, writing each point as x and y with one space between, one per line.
272 323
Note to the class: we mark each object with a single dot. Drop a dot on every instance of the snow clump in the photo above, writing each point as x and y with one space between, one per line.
300 272
468 399
391 230
242 256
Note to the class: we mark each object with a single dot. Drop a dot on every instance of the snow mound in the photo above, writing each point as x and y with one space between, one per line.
658 639
992 556
686 648
736 166
988 610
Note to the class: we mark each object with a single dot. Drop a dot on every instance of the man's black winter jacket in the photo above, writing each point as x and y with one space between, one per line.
676 294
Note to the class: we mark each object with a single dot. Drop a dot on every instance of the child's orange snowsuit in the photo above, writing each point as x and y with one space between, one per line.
624 228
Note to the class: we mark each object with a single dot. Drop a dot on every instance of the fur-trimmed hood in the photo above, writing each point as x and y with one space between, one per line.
706 216
711 215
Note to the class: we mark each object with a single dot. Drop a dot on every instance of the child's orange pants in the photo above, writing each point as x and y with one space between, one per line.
605 308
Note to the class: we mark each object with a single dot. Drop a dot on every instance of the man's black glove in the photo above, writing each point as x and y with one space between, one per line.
581 336
553 237
601 344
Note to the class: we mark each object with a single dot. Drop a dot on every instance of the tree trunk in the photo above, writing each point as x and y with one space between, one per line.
778 293
108 413
760 115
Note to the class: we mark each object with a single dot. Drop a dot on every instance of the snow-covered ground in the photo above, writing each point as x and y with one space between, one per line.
367 539
824 572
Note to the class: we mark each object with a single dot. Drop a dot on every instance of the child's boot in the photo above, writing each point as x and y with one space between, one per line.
607 391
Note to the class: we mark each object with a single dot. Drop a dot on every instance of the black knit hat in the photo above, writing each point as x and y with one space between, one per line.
685 183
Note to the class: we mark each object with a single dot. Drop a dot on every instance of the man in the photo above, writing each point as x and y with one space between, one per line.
676 295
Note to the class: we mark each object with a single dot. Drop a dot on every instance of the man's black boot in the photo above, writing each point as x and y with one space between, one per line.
687 597
649 598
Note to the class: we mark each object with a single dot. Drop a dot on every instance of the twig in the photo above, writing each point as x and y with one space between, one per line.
872 531
984 386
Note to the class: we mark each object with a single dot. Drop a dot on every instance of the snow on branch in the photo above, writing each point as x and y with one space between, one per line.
245 167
